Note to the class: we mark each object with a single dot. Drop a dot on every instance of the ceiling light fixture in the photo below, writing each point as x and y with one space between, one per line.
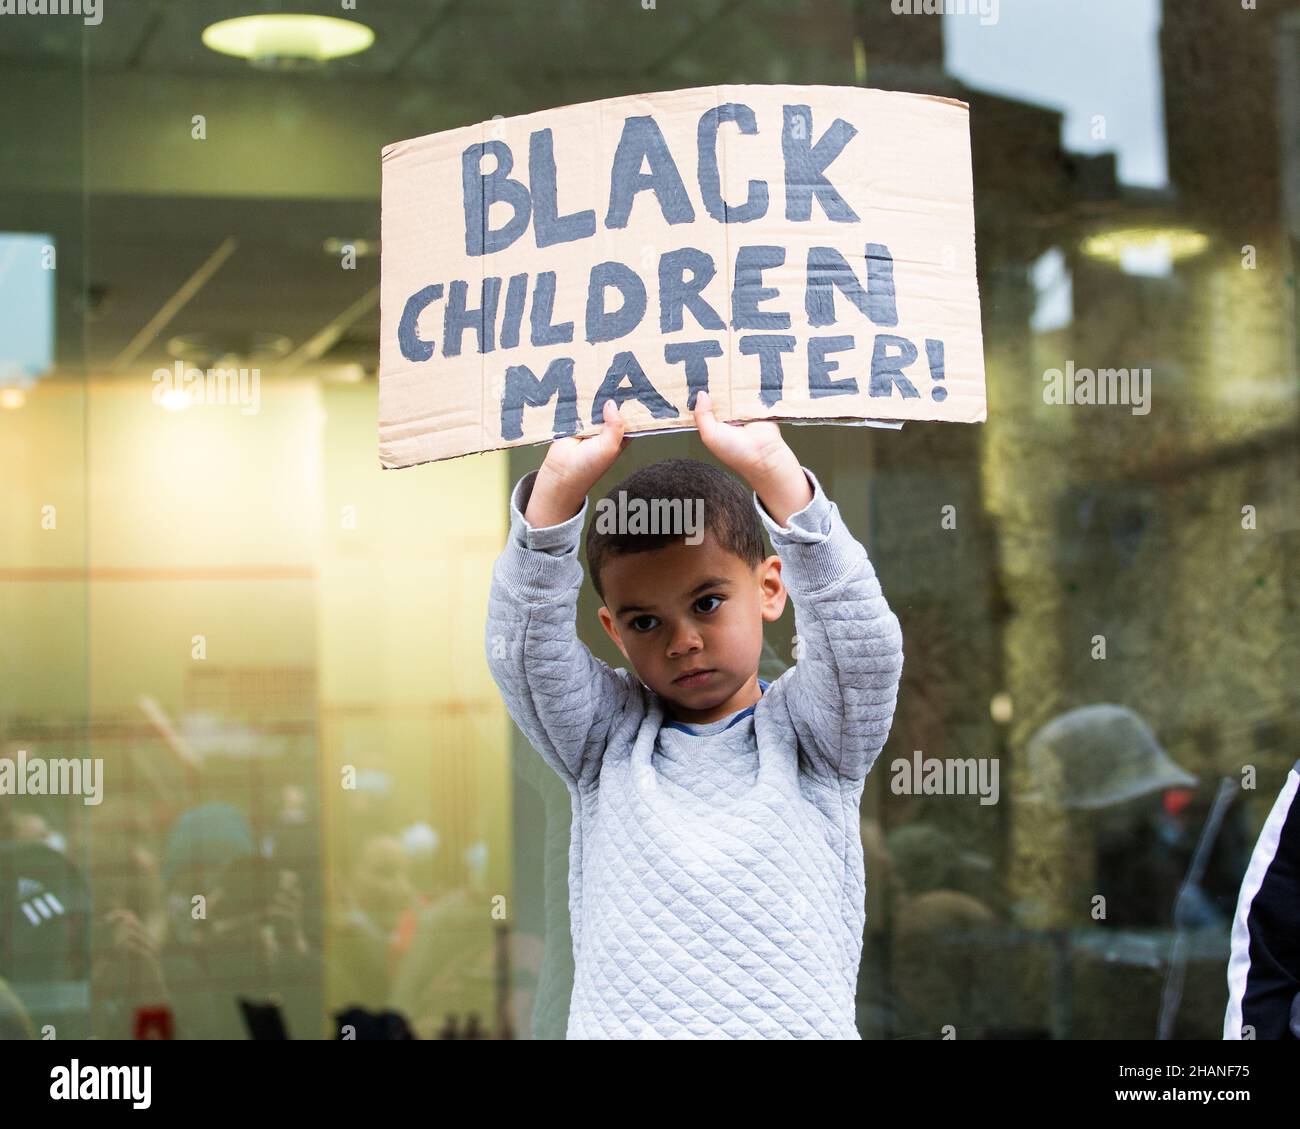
286 41
1176 243
362 248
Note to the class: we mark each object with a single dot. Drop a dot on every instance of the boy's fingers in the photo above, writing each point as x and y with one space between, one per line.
705 421
701 406
615 427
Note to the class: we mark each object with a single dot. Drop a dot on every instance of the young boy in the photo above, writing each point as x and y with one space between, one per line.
716 879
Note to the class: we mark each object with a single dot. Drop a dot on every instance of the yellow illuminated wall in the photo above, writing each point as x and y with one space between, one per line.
263 566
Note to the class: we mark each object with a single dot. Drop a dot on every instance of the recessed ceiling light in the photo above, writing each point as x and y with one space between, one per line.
202 349
1173 242
277 40
176 400
360 247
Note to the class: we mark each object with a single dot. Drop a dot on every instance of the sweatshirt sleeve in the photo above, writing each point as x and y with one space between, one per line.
561 696
1264 964
841 692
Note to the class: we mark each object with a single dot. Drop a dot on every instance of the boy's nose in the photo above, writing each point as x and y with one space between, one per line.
684 642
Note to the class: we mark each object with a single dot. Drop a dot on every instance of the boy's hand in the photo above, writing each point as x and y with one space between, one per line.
573 465
756 452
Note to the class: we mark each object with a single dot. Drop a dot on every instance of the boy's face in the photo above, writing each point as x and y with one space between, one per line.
686 608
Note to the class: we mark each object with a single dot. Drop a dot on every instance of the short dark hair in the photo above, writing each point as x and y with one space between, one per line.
728 510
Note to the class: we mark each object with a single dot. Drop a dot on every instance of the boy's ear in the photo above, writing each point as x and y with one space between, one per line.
772 588
607 622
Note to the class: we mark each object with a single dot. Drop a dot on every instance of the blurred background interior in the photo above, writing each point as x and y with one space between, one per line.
276 648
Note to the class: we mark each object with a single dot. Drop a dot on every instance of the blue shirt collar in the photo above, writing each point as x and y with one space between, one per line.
685 728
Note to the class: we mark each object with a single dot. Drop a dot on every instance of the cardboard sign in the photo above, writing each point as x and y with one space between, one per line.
803 252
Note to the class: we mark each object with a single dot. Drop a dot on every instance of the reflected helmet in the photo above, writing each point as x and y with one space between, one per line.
1098 756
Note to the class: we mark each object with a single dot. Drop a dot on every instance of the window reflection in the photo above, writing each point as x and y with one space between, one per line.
314 800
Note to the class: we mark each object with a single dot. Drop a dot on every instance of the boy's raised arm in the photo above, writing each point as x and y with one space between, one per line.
843 688
842 691
561 696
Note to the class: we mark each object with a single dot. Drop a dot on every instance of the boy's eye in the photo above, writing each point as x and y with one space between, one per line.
705 599
639 623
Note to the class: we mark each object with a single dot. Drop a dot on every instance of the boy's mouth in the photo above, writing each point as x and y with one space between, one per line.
694 678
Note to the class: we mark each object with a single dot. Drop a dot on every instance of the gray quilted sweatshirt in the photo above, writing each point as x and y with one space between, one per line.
716 879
